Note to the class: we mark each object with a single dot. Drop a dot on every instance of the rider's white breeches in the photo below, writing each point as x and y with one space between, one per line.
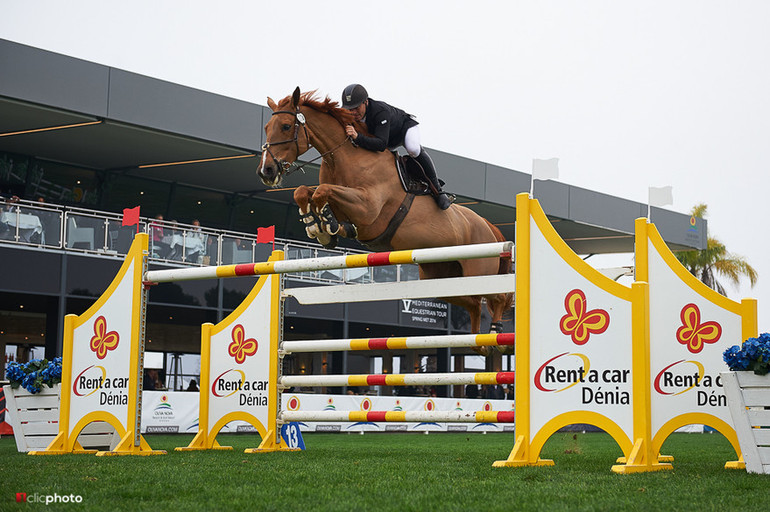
412 141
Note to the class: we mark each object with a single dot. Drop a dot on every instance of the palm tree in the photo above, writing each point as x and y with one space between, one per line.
714 259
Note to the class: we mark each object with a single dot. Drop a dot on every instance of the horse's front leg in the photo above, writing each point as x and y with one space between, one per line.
302 195
354 207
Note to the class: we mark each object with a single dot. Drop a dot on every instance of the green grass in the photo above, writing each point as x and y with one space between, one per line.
387 472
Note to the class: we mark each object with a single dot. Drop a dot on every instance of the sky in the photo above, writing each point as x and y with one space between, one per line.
627 94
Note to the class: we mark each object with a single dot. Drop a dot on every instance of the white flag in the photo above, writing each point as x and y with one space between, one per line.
545 169
661 196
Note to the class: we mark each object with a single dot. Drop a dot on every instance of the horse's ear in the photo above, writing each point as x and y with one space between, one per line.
270 103
295 98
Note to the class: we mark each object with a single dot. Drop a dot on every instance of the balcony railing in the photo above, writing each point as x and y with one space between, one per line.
55 227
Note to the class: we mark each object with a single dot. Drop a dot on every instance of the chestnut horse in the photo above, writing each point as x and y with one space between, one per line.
360 193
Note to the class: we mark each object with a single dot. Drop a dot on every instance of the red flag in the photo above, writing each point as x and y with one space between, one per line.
5 427
130 216
266 235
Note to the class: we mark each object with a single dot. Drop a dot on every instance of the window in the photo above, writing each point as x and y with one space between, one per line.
128 191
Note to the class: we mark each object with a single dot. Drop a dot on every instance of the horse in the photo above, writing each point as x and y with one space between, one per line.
360 196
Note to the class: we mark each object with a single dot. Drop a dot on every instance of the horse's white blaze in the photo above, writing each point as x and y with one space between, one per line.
262 163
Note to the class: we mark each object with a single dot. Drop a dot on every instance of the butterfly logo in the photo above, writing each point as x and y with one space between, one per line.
103 341
579 323
694 334
241 347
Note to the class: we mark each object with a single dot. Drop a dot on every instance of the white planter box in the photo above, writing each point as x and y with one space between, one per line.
35 421
748 397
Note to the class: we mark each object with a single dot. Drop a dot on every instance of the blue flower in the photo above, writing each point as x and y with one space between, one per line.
54 368
33 375
14 371
753 355
735 358
751 348
29 383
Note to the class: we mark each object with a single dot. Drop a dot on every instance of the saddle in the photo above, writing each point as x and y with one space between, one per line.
411 175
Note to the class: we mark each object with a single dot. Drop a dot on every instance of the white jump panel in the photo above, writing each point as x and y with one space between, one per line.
429 288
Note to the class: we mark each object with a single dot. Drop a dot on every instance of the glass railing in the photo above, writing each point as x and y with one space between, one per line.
30 224
55 227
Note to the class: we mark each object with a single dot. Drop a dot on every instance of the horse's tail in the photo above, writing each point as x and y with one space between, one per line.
506 264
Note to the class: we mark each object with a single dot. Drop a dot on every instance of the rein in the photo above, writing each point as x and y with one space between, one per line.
299 120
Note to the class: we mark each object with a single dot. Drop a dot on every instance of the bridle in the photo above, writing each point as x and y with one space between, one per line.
299 120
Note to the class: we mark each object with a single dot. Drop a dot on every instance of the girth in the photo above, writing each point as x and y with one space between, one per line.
382 242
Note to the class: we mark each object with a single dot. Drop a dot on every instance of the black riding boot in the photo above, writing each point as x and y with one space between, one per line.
443 199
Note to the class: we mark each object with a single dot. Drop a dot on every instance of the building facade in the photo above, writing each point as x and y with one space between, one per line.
80 141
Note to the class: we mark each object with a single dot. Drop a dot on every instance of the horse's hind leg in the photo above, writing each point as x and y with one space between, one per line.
473 306
497 304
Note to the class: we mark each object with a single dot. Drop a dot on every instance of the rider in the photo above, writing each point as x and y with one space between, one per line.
390 127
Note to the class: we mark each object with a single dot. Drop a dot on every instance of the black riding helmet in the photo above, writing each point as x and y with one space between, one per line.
353 96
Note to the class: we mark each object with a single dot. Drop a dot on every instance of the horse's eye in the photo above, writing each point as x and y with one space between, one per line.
286 127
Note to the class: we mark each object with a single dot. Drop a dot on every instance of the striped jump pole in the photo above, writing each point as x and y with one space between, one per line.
459 340
375 259
403 379
400 416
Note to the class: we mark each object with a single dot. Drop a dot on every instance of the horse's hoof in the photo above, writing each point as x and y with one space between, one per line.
331 244
312 229
323 238
496 328
349 230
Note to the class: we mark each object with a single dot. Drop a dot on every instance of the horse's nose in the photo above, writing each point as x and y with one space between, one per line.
268 173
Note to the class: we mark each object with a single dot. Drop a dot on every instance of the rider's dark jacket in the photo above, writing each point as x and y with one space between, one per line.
387 124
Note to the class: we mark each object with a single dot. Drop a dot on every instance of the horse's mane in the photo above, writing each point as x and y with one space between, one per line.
326 105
